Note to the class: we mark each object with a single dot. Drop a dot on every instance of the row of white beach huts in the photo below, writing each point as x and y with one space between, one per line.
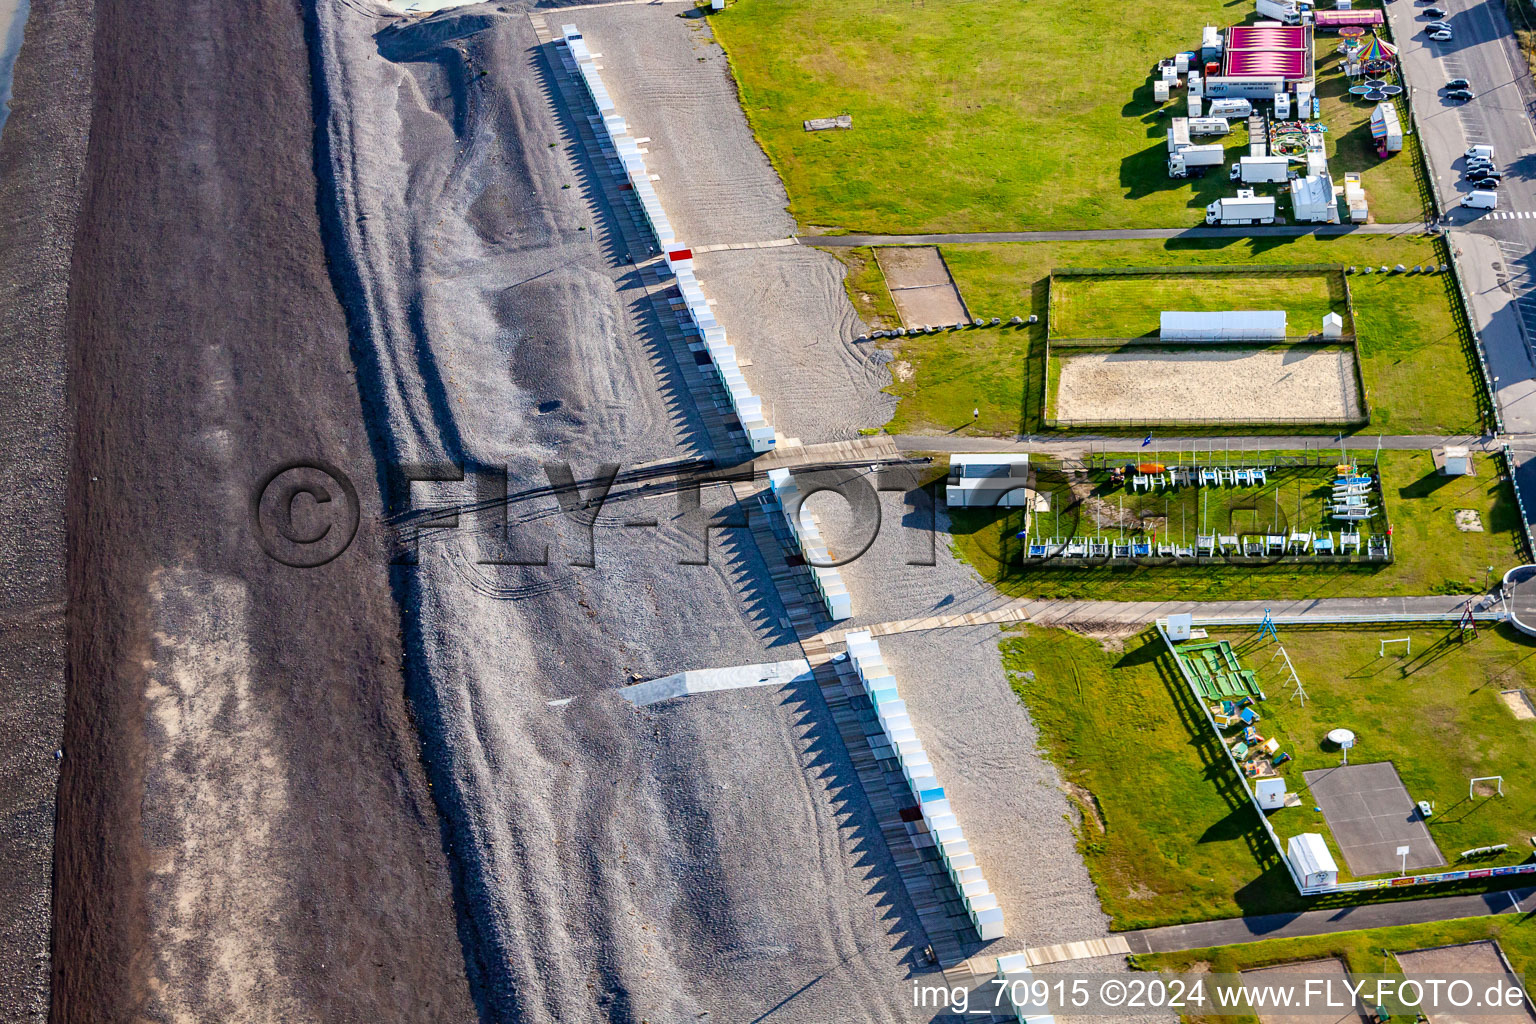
748 406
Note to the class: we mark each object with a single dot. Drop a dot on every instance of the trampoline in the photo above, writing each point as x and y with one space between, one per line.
1370 814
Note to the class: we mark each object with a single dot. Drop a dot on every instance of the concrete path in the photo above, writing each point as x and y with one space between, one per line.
1109 234
1358 445
1430 608
1323 922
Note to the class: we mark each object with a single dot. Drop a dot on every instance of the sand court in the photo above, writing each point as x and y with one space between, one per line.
1234 384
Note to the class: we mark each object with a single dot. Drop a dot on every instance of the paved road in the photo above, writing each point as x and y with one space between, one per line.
1323 922
1110 234
1495 247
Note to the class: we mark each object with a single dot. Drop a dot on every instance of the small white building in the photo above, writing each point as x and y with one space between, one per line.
1230 325
1458 461
1270 793
1309 856
1333 326
987 480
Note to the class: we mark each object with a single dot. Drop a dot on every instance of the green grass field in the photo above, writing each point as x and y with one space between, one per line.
866 287
1167 832
1129 306
967 118
1371 951
1447 687
1431 555
1415 359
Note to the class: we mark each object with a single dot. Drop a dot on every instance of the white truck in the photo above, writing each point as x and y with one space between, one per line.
1485 152
1244 208
1281 10
1251 169
1195 158
1481 200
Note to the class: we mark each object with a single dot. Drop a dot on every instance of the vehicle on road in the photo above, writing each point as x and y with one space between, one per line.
1436 12
1473 166
1438 26
1458 83
1487 184
1441 35
1473 152
1484 176
1462 95
1481 200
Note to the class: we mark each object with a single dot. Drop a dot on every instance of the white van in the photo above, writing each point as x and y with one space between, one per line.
1481 200
1486 152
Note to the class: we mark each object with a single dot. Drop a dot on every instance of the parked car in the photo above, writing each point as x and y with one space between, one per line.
1442 35
1436 12
1487 184
1460 94
1458 83
1437 26
1484 175
1477 168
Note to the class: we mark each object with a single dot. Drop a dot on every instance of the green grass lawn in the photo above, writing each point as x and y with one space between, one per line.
968 117
1130 306
1167 832
1447 688
1415 358
866 287
1393 186
1371 951
971 117
1431 555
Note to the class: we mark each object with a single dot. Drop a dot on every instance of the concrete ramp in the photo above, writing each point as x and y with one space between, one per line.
708 680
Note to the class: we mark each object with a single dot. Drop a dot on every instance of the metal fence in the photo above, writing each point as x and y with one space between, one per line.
1211 423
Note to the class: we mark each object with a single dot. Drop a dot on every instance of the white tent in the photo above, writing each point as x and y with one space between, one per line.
1231 325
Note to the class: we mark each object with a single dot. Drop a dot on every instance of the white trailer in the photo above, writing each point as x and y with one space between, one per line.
1231 106
1244 208
1253 169
1181 164
1209 126
1281 10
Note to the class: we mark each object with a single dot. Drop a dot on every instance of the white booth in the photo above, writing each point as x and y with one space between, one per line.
1309 856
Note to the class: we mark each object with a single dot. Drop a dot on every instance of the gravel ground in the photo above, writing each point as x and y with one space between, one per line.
42 155
244 830
709 855
1209 383
672 84
884 586
785 310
